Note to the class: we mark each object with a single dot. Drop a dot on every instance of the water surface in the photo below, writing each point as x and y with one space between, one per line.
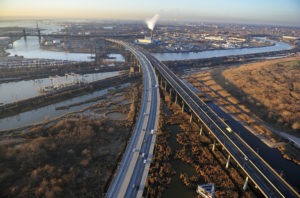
14 91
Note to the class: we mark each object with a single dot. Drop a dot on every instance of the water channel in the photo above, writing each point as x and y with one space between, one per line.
49 112
14 91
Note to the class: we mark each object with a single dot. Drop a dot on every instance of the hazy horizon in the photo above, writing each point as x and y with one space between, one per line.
276 12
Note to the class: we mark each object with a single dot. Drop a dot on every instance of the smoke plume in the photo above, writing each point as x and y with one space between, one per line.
152 21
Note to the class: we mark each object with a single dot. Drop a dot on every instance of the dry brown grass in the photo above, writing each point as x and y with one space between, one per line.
71 157
274 85
244 97
194 150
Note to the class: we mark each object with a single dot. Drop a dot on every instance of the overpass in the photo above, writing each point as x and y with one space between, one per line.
264 177
134 167
269 182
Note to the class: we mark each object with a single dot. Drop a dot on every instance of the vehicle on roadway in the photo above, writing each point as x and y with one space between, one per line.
229 129
152 131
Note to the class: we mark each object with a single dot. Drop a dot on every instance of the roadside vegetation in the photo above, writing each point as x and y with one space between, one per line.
73 156
195 152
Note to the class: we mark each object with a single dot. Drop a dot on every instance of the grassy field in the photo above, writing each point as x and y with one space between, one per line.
272 88
263 96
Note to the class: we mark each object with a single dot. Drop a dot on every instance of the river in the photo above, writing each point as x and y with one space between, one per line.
219 53
30 48
13 91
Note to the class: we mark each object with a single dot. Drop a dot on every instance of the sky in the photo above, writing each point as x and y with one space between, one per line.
286 12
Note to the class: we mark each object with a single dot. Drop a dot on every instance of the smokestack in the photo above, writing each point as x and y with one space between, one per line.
151 23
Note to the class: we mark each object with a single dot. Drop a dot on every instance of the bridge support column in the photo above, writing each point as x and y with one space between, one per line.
182 108
228 160
191 118
213 146
176 98
201 129
171 94
165 86
161 82
245 184
24 34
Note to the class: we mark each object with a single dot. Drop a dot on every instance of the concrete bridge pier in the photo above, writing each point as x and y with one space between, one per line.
182 107
131 58
170 91
245 184
24 34
176 98
165 86
191 118
201 130
214 145
39 35
227 163
135 62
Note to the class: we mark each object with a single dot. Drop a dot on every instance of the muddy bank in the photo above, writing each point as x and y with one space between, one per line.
199 164
44 100
73 156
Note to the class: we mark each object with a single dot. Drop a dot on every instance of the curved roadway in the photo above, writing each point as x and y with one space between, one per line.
270 183
131 176
133 170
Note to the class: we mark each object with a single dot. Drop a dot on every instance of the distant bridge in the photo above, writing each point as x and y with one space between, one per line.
37 32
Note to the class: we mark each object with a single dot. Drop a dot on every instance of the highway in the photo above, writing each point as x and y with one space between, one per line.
265 178
133 170
132 173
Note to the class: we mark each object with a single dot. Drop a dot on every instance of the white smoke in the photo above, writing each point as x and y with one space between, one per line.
152 21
